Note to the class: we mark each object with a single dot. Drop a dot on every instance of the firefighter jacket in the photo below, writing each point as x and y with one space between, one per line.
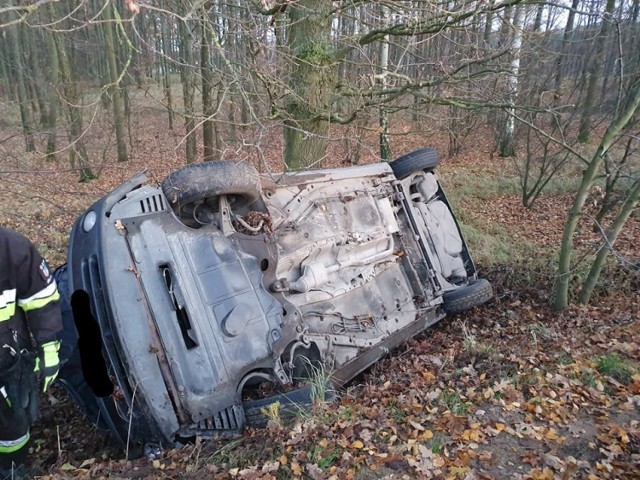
29 310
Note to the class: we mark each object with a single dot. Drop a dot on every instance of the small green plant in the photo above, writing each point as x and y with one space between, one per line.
319 379
314 454
565 359
522 382
469 339
588 378
395 411
233 454
454 403
329 459
345 413
615 367
538 330
473 349
321 457
272 412
437 444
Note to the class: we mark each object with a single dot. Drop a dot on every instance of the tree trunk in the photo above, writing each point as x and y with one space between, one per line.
312 83
488 27
5 76
507 141
206 72
216 130
35 73
74 112
385 148
113 88
537 23
166 71
563 51
137 50
588 177
593 75
52 113
25 113
610 239
186 75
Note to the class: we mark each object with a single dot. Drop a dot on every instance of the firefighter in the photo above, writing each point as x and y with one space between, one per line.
30 322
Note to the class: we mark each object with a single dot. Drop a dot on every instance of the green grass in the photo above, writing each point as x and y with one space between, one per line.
565 358
588 378
318 378
329 416
501 180
395 411
235 454
471 346
437 444
563 183
522 381
615 367
483 185
492 244
538 331
453 402
328 459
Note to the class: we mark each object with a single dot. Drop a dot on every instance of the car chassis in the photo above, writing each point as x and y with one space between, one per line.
188 295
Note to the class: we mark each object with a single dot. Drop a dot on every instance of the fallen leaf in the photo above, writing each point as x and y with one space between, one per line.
416 425
427 435
87 462
295 468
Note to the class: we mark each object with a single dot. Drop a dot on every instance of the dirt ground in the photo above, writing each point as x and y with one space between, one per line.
509 390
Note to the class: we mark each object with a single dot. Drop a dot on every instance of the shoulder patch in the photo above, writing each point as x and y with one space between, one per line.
44 272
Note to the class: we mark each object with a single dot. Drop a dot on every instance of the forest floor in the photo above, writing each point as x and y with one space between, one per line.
509 390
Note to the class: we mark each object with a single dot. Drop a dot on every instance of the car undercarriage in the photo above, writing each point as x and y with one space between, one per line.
200 290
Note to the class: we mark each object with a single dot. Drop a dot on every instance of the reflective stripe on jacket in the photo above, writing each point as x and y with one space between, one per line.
9 446
28 295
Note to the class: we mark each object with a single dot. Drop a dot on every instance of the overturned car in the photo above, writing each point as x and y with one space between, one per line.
188 296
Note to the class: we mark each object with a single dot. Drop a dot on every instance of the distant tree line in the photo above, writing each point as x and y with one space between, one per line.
310 63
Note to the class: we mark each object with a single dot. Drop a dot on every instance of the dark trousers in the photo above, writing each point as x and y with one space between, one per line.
19 393
14 437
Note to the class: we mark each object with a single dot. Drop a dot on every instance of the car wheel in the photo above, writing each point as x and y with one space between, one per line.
423 159
200 182
472 295
291 404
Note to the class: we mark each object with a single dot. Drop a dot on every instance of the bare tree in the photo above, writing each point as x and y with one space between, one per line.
206 72
589 175
188 86
20 82
312 81
113 87
385 147
507 140
593 73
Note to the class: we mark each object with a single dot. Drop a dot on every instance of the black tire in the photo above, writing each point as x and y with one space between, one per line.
291 404
199 182
464 298
423 159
